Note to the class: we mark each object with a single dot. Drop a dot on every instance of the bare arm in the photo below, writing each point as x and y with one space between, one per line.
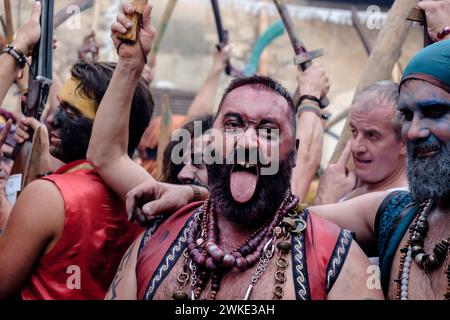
109 143
5 206
34 226
204 100
124 284
357 215
27 36
310 132
352 283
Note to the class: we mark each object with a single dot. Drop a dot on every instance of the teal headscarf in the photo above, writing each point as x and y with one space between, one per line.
431 64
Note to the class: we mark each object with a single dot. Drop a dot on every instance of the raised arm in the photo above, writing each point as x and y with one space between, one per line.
310 132
27 36
108 145
204 99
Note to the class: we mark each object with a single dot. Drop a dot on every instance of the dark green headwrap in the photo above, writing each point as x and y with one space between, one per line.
431 64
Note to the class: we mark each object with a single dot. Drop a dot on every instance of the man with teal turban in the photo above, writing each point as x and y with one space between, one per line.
410 231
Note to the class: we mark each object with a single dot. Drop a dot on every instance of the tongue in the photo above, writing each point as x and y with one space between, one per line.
243 185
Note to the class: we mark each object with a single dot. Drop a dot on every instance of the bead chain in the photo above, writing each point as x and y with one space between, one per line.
413 251
205 226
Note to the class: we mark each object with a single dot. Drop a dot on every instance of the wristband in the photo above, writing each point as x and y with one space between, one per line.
308 97
17 55
309 108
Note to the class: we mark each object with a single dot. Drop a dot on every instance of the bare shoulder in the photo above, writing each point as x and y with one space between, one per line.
124 284
35 223
39 204
355 279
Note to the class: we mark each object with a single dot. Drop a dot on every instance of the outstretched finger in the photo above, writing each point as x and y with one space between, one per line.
343 160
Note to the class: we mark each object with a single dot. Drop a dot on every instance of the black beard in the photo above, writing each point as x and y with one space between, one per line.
74 135
267 198
429 178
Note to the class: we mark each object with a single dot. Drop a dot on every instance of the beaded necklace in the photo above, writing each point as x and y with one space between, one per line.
205 259
414 251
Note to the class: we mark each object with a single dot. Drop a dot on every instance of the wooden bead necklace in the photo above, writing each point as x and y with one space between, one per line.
205 259
414 251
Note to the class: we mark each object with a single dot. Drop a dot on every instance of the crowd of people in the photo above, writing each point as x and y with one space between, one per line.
228 218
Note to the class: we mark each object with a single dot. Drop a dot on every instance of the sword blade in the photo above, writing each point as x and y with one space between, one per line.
297 44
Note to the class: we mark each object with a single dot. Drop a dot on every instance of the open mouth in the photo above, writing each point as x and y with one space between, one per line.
243 181
362 161
427 152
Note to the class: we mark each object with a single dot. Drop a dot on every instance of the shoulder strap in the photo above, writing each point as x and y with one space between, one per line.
161 249
318 256
392 221
338 257
393 241
389 208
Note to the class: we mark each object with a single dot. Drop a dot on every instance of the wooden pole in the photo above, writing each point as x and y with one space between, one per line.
65 13
9 21
161 30
263 24
165 133
384 56
95 20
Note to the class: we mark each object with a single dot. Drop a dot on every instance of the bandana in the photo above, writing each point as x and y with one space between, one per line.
70 93
431 64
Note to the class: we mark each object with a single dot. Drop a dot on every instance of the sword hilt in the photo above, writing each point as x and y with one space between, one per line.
303 61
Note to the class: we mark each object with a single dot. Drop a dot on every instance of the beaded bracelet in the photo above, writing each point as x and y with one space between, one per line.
309 97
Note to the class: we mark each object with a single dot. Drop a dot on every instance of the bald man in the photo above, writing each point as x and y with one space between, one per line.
376 147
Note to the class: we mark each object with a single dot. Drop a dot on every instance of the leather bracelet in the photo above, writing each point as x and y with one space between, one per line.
308 97
17 55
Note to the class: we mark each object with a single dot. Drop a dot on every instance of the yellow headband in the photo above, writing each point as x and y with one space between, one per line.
70 94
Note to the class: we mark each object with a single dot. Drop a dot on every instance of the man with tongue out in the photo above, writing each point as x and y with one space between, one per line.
251 221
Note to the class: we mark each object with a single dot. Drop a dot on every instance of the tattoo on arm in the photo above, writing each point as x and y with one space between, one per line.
112 293
125 259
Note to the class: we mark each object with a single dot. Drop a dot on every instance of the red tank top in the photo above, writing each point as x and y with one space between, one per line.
96 235
317 256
